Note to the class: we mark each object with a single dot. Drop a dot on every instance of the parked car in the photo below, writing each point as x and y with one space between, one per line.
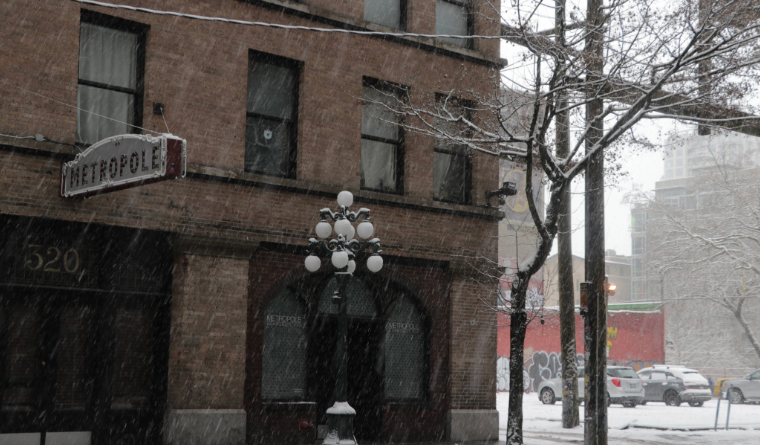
623 387
674 385
745 389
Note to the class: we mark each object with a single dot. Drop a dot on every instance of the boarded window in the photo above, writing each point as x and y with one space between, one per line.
404 352
360 300
284 358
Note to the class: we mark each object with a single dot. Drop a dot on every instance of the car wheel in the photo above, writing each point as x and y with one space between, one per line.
629 404
643 403
735 396
672 398
547 396
609 401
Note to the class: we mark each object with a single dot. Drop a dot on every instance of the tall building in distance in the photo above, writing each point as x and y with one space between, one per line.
680 233
687 156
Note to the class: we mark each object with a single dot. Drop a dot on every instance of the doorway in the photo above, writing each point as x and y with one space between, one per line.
365 372
79 367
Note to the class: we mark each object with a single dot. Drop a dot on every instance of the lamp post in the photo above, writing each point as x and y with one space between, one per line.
343 252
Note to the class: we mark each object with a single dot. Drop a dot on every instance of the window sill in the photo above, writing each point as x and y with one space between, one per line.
361 197
337 20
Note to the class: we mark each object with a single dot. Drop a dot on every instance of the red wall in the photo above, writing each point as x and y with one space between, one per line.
633 338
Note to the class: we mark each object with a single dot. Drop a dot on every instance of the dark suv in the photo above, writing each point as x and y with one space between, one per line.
661 386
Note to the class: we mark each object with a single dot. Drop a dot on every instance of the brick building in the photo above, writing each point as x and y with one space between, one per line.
141 316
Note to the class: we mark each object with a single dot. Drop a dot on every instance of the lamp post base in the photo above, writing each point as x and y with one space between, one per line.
340 425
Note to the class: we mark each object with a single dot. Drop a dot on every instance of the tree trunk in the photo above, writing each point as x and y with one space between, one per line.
518 321
737 311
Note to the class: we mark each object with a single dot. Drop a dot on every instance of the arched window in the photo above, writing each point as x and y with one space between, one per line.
284 358
404 352
360 301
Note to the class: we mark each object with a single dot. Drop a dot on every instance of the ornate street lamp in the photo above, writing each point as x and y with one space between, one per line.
343 252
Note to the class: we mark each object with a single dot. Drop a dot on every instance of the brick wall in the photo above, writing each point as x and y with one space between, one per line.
473 336
207 342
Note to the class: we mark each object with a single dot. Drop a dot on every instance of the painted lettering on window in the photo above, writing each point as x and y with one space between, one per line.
402 327
285 320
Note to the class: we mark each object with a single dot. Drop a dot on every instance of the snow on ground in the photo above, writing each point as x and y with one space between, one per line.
628 426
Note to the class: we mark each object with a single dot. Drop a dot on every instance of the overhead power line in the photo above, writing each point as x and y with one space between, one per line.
282 26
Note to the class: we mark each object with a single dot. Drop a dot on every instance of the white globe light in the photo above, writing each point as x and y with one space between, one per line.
324 229
351 233
365 230
339 259
345 198
375 263
312 263
351 266
343 227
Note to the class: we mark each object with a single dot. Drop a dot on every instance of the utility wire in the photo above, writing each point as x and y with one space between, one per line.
79 109
281 26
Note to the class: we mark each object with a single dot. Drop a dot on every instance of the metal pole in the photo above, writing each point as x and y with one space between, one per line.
570 400
596 430
340 418
728 411
717 411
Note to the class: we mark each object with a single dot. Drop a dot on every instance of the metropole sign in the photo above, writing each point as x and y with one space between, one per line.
123 161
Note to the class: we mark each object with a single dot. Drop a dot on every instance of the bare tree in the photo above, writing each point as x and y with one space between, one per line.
653 66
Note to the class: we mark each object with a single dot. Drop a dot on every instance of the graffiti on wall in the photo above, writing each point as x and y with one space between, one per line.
539 367
502 375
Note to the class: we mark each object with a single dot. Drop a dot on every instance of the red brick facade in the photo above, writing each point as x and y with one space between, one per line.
237 238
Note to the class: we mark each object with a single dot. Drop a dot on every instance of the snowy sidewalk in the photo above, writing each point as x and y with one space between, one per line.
641 425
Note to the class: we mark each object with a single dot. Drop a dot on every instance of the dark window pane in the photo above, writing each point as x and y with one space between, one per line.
132 359
270 90
360 300
103 113
383 12
451 19
72 358
267 146
404 352
449 177
107 56
284 356
21 359
378 165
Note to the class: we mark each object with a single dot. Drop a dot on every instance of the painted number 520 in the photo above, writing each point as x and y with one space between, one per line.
48 258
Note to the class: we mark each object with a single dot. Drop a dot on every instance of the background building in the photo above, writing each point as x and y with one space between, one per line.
165 301
708 195
618 269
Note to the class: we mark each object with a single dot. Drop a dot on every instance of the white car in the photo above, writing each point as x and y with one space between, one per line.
623 386
695 390
745 389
